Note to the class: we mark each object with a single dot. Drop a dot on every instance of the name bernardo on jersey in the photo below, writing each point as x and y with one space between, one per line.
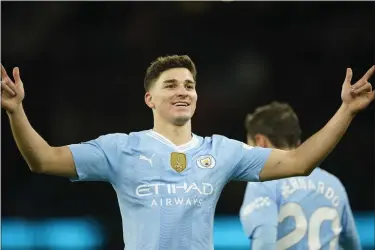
183 194
290 186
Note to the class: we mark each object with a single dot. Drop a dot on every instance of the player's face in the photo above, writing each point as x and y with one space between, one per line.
173 96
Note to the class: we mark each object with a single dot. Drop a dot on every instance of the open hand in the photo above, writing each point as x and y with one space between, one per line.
359 95
12 92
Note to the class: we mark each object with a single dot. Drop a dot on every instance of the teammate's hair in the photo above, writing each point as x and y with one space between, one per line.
278 122
162 64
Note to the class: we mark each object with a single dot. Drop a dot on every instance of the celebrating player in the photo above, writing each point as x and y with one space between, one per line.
167 179
308 213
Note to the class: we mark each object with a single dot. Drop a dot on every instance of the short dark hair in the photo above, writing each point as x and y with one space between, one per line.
278 122
162 64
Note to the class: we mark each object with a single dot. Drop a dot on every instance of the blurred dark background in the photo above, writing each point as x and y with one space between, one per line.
83 63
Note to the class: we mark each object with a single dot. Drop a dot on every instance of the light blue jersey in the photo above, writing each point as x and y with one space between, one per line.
167 193
310 213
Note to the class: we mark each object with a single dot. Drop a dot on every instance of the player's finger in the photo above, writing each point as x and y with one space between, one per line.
358 85
3 72
7 89
369 73
349 75
16 75
11 85
361 82
372 96
363 89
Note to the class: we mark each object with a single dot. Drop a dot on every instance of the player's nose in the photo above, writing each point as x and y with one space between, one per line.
181 90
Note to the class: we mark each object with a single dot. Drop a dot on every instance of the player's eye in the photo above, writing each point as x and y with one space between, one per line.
169 86
190 86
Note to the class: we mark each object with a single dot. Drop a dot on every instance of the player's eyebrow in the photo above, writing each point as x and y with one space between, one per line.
175 81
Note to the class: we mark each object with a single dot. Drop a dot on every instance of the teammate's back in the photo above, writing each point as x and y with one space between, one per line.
314 212
308 213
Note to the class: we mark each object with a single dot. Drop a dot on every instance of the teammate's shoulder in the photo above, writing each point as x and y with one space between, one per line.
331 178
327 174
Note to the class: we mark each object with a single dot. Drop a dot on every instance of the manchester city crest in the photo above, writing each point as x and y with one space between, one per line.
206 161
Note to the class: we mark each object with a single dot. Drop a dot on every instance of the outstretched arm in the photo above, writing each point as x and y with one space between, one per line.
307 156
39 155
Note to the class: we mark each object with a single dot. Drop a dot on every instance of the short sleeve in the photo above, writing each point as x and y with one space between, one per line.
96 160
259 207
251 162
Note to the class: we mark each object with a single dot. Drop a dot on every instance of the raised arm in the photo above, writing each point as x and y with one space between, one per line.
39 155
307 156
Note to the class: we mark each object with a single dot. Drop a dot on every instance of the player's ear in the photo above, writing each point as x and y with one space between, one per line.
268 143
148 100
261 140
250 141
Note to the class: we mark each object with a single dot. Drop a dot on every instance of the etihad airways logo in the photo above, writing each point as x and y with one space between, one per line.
183 194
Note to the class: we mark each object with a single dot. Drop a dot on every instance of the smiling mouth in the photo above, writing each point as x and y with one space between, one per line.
181 104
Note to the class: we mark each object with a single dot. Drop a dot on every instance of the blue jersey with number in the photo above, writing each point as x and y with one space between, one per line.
167 193
310 213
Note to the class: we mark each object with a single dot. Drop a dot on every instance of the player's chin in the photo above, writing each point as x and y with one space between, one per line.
181 120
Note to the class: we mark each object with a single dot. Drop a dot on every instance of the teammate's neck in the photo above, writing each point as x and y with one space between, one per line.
178 135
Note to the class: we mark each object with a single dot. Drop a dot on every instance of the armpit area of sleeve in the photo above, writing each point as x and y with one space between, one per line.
262 155
78 153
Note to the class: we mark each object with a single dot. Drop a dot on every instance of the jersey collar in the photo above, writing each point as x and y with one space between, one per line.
181 148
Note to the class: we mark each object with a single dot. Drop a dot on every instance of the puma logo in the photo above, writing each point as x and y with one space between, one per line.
149 160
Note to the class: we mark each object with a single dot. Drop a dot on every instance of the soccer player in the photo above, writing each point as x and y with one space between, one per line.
308 213
167 179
